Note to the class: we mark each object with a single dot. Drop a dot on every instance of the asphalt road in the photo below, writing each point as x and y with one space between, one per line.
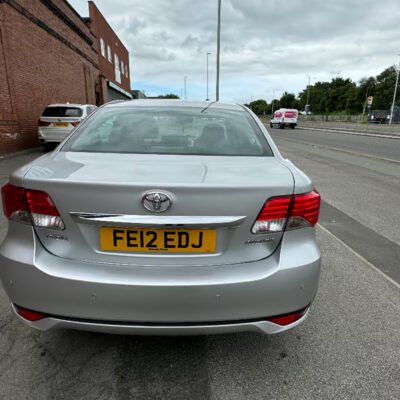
377 147
349 347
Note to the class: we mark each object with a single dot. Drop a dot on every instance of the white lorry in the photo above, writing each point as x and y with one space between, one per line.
284 117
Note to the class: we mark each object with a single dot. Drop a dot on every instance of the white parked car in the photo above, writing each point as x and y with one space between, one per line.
58 120
284 117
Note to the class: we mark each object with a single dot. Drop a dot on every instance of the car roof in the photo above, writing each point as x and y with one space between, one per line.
69 105
174 103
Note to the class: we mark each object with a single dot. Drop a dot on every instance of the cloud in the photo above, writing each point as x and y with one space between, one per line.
266 45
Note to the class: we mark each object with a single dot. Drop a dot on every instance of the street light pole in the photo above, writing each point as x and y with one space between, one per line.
218 48
185 86
207 99
308 90
394 94
273 96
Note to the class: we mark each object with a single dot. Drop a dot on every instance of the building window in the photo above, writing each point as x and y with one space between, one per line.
102 47
127 71
123 68
109 54
117 70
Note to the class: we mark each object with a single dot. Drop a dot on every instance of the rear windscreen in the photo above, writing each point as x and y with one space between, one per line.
165 130
62 112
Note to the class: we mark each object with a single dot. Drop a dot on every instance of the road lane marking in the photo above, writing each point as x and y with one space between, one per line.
321 146
360 257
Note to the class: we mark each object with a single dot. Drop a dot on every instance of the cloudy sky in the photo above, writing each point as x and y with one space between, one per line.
266 44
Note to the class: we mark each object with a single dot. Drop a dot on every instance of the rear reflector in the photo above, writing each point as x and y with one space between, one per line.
75 123
29 315
292 212
30 206
288 319
43 123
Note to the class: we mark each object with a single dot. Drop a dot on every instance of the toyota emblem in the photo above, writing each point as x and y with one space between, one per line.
156 201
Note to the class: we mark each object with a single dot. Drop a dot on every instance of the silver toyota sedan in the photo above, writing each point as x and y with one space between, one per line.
162 217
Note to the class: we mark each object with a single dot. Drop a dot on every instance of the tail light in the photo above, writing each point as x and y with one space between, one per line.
30 206
292 212
43 211
75 123
43 123
29 315
14 205
272 217
305 211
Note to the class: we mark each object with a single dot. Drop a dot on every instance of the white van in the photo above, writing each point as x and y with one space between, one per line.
284 117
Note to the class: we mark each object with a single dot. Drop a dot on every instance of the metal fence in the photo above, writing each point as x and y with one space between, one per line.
333 118
374 116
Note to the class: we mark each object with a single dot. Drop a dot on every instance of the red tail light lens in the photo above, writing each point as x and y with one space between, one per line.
298 211
14 204
43 123
30 206
75 123
43 211
272 217
305 210
288 319
29 315
40 203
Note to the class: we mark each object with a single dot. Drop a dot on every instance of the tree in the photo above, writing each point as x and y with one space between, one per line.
259 107
168 96
384 89
340 95
288 100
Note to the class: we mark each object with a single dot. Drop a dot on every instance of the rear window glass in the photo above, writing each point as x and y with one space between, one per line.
62 112
165 130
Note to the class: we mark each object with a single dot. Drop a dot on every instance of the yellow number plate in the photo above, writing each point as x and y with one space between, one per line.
158 240
60 123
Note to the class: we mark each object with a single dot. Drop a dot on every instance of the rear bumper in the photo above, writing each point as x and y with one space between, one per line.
126 299
119 328
48 135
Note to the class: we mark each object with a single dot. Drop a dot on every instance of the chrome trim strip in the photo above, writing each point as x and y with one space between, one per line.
157 221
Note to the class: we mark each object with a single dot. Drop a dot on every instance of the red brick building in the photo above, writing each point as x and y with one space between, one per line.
49 54
113 58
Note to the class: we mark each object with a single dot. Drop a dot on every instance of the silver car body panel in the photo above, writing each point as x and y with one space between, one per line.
215 187
282 283
264 327
65 274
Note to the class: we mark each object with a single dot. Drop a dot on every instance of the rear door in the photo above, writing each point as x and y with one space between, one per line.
277 117
290 116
